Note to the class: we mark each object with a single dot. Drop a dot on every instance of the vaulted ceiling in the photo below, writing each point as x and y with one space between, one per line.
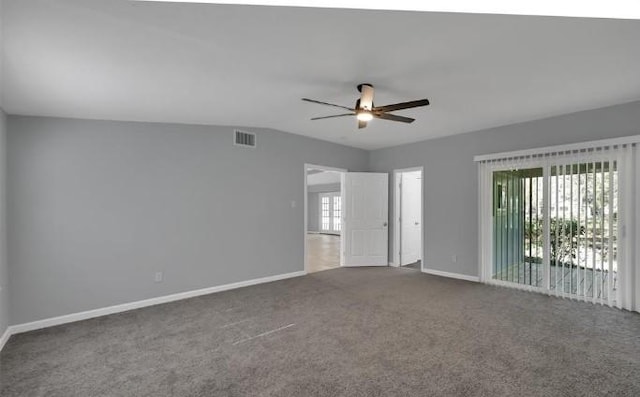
250 65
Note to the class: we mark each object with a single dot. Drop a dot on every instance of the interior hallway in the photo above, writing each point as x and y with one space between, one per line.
323 252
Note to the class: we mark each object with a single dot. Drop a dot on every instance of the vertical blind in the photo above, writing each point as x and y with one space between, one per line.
563 221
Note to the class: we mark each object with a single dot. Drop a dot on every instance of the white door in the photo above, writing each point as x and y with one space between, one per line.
366 231
410 217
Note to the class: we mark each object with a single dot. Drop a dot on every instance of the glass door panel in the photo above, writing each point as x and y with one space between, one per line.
583 200
518 226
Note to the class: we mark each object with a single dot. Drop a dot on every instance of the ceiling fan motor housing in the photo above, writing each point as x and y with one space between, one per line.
363 84
366 98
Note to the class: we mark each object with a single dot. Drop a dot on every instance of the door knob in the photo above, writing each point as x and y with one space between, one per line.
384 224
417 223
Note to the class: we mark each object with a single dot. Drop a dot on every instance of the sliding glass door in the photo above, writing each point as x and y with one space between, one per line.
555 227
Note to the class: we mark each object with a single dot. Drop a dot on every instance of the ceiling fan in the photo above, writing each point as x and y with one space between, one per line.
365 111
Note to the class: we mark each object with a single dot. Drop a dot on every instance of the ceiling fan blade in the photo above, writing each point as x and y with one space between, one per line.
335 115
393 117
362 124
403 105
326 103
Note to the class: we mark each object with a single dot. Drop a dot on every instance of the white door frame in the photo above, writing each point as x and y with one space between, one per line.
307 167
396 216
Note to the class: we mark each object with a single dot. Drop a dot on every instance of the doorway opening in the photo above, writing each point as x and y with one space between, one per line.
324 218
408 228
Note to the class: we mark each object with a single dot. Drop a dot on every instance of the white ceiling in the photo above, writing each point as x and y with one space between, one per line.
625 9
250 65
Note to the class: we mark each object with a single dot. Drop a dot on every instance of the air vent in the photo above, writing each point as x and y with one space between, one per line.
246 139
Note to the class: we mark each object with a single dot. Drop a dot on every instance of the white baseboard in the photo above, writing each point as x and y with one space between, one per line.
5 337
69 318
451 275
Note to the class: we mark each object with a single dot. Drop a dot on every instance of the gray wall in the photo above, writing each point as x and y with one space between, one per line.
313 213
450 174
4 271
96 208
313 204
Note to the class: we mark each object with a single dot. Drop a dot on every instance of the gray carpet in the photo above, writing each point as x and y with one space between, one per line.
343 332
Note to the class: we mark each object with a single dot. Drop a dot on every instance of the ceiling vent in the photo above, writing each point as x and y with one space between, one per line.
245 139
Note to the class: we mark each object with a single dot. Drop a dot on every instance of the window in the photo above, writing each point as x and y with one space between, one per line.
337 213
331 212
325 212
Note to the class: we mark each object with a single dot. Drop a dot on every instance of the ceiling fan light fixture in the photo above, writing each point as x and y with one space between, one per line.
364 115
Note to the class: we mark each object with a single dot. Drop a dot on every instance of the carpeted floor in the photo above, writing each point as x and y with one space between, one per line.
342 332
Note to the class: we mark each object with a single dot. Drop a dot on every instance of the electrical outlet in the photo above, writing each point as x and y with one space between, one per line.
454 258
293 204
158 277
